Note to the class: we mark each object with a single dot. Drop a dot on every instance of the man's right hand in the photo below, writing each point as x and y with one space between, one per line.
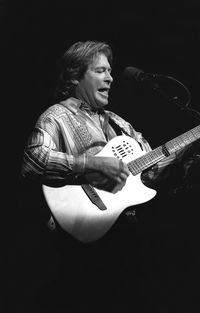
102 170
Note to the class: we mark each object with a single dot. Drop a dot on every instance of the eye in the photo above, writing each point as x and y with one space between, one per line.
100 70
103 69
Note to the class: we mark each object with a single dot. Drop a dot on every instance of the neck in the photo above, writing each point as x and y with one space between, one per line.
85 106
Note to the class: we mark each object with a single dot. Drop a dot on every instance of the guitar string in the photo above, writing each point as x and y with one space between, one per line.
147 160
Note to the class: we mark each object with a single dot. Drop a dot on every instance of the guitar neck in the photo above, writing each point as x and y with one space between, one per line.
156 155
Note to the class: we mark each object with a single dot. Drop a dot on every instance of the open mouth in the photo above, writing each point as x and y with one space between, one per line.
104 91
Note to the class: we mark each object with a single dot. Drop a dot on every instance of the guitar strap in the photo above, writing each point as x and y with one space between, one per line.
116 127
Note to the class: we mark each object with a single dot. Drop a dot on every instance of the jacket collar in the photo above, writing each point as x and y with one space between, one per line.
75 105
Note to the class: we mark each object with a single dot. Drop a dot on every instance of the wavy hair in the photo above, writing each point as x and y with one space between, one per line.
74 63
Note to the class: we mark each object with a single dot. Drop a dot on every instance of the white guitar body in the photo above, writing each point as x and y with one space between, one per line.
75 212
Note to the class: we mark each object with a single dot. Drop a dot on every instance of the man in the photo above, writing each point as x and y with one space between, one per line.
63 150
67 137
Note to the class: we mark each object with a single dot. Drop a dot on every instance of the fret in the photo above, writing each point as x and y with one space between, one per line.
149 159
134 167
184 139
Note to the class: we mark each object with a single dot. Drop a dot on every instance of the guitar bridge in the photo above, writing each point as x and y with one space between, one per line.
94 197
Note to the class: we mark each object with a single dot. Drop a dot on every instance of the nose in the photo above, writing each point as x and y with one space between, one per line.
108 76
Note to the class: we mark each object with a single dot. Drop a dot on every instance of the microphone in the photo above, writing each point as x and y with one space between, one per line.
139 75
152 80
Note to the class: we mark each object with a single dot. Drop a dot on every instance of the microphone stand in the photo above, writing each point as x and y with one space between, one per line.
174 99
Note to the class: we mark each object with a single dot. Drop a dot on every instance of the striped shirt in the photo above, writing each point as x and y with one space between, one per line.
65 134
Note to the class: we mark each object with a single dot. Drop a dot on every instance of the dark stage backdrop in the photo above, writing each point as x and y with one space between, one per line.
155 36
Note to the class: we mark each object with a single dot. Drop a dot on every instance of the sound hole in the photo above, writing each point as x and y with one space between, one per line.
122 150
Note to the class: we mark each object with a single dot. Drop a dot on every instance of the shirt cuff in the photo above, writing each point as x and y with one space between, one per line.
79 164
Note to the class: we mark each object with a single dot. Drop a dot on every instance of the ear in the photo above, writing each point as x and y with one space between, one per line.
75 82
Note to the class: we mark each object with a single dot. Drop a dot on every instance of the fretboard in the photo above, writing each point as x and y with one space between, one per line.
150 158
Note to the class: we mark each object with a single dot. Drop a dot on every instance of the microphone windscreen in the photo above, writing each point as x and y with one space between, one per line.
133 72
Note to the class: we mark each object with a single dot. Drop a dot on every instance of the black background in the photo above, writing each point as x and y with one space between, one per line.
155 36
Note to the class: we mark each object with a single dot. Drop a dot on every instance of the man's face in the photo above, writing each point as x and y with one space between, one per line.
94 87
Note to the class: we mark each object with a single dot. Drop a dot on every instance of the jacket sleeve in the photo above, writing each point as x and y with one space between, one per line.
42 159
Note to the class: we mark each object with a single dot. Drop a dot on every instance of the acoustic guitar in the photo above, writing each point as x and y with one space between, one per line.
74 208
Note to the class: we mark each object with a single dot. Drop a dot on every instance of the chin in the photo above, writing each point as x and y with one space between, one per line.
102 103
